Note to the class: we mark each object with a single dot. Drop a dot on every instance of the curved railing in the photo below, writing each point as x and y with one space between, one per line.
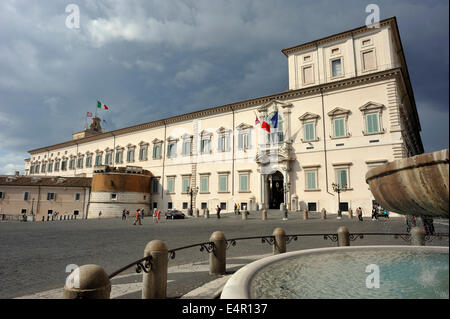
144 264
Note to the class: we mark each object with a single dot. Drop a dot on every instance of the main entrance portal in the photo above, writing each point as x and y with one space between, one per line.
276 194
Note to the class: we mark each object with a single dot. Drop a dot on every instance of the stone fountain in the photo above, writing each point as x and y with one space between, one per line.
417 185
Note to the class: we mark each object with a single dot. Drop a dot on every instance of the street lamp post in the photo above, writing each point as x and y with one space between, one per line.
192 191
338 189
286 188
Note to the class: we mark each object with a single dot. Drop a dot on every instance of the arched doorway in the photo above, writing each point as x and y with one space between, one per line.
276 194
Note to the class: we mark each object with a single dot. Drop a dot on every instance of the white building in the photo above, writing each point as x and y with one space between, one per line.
350 106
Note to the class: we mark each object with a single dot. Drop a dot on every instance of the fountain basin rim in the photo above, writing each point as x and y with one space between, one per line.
238 286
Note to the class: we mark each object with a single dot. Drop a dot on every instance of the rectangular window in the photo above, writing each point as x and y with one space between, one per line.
223 206
169 205
31 169
369 62
205 146
37 169
64 165
26 195
372 123
311 178
98 159
309 131
50 196
130 155
187 147
204 184
223 183
43 168
72 164
172 150
157 151
89 161
336 68
185 205
143 153
155 185
243 183
185 184
223 143
308 76
339 127
113 196
244 140
50 167
204 205
77 197
171 185
80 162
342 178
312 207
57 166
1 195
119 157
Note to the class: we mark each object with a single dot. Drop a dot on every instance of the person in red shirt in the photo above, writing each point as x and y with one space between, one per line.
138 217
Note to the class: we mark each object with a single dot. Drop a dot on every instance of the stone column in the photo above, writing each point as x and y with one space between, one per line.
155 281
279 245
87 282
217 259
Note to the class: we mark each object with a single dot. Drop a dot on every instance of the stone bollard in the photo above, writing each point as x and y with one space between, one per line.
343 236
305 214
87 282
189 211
60 217
155 280
206 213
217 258
64 217
48 218
264 214
350 213
43 218
244 214
417 236
324 213
197 212
279 245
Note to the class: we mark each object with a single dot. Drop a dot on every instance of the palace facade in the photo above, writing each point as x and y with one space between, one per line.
349 107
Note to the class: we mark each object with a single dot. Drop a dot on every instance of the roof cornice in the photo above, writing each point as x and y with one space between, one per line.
291 94
334 37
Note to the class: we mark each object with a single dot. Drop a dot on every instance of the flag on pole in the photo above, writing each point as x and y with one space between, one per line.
256 121
274 119
99 105
89 114
265 125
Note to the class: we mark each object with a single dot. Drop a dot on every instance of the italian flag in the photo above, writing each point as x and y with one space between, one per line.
99 105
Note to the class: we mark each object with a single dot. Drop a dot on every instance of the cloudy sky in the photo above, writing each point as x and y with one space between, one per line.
151 59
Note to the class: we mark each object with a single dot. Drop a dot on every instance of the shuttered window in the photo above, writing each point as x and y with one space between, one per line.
309 132
342 178
243 182
339 127
372 123
185 184
171 185
204 184
223 181
311 180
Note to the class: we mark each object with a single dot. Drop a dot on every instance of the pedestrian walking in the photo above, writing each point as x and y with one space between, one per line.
239 209
235 208
374 212
155 216
142 214
218 212
124 214
159 215
99 214
359 213
138 218
128 213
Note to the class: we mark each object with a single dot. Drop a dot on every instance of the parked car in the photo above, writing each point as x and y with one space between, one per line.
173 214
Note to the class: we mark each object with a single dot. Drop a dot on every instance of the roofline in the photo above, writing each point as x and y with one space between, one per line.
333 37
227 108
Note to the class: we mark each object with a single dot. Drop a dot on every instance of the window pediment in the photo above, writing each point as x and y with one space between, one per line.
142 143
172 139
157 141
186 136
205 133
339 111
273 103
371 106
309 116
243 126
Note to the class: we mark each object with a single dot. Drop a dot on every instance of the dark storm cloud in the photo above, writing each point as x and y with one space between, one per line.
152 59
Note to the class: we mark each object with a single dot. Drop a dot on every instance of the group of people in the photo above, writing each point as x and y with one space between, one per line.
237 209
427 222
139 216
